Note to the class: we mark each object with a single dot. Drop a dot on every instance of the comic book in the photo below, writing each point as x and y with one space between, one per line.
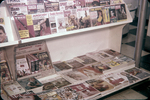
112 13
67 93
100 84
5 72
66 4
85 91
104 2
71 16
25 26
74 64
138 72
83 16
51 5
97 16
41 24
84 59
89 71
113 2
74 76
79 4
18 10
121 12
13 88
29 95
92 3
22 67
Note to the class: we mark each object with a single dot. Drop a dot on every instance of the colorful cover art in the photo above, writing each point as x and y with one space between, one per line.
51 5
66 4
30 83
25 26
113 2
100 84
85 59
111 62
83 16
121 12
89 71
106 15
29 95
104 2
62 24
32 9
61 66
79 4
85 90
138 73
71 16
3 35
112 13
97 16
5 72
41 24
74 64
92 3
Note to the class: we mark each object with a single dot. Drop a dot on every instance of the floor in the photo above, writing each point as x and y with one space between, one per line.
141 90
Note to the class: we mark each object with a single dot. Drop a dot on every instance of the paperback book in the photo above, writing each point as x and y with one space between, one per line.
92 3
51 5
85 91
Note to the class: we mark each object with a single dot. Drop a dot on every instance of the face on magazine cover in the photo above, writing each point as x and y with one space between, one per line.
3 37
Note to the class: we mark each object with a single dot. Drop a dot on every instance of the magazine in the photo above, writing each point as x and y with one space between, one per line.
71 16
89 71
112 13
31 63
83 16
51 5
22 67
104 2
5 73
85 59
29 95
25 26
112 52
16 1
138 73
13 88
32 9
96 16
113 2
74 64
41 24
66 4
106 15
2 55
40 8
121 12
92 3
85 91
3 36
79 4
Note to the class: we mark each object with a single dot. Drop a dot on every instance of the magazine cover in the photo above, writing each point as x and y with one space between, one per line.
16 1
66 4
83 16
5 72
111 62
104 2
31 63
79 4
85 90
112 52
51 5
113 2
74 64
40 8
2 55
13 88
85 59
121 12
100 67
50 95
97 16
67 93
25 26
74 76
89 71
61 66
92 3
3 35
22 67
71 16
41 24
18 10
30 83
29 95
138 73
100 85
32 9
106 15
112 13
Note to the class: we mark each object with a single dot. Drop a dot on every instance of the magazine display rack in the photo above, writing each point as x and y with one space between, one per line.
64 46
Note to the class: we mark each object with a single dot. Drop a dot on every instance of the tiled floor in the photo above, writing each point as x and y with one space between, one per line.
141 91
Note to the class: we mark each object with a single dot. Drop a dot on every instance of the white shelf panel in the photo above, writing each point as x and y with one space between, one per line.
11 43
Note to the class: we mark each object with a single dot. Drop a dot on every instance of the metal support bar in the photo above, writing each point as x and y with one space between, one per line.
140 32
